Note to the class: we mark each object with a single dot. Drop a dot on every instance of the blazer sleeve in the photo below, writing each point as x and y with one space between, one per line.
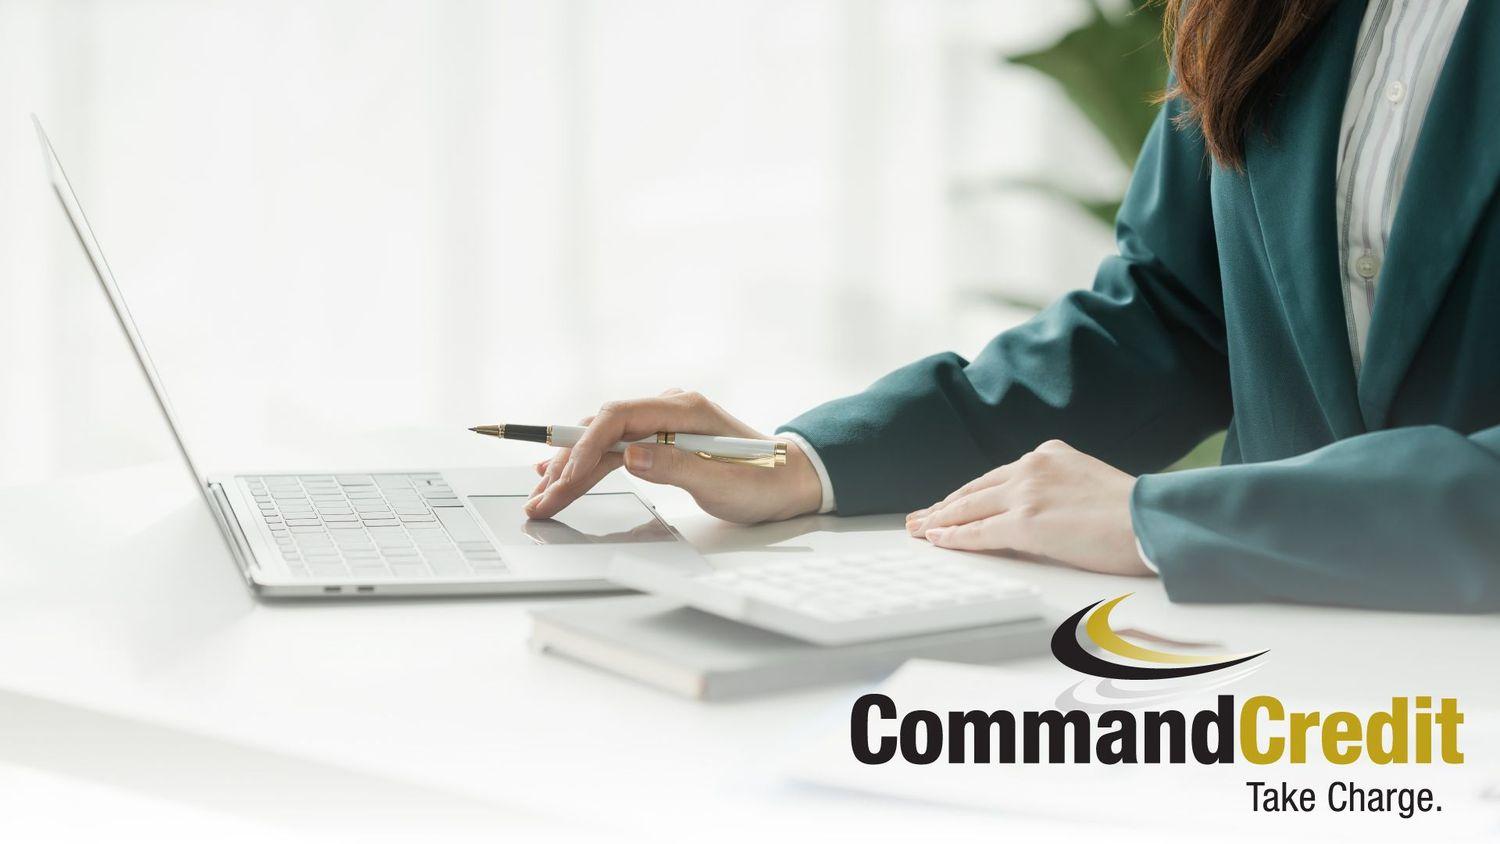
1407 518
1133 371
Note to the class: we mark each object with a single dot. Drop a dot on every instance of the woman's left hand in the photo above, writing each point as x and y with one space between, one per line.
1055 502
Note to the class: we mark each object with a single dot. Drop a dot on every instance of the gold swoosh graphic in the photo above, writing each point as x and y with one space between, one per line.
1098 629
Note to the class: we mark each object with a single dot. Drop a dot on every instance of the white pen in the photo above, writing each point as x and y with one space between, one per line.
745 452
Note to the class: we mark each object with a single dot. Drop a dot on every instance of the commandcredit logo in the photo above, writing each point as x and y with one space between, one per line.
1144 706
1092 624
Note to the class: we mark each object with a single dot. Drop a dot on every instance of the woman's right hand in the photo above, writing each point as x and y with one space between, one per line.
744 494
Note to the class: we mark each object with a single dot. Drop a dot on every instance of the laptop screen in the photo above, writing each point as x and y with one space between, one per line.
90 245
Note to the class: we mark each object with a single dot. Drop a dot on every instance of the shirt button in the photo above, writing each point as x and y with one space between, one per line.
1367 265
1396 91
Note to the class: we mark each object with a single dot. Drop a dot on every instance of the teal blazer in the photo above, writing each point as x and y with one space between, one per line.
1223 309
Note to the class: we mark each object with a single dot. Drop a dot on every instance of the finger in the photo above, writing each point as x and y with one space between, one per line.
551 467
662 464
560 494
995 533
633 420
969 508
556 463
554 468
993 477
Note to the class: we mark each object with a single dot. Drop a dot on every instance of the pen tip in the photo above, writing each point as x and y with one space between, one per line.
476 430
489 430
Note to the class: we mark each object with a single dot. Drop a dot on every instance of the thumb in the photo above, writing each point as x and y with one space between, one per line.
663 464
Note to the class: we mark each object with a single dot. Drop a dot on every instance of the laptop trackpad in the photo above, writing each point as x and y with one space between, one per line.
580 541
598 518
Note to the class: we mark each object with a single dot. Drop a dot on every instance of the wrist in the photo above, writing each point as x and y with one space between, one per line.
1147 561
804 492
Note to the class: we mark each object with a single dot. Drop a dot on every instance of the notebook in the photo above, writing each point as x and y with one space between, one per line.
662 643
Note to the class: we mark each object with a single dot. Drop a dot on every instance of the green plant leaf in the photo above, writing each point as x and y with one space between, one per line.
1110 68
1204 455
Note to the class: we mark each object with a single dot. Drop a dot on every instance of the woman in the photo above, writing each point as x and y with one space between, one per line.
1309 256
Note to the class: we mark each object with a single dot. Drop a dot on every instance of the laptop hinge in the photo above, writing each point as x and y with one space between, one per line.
231 527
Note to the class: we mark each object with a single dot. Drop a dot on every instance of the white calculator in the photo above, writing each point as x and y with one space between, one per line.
842 599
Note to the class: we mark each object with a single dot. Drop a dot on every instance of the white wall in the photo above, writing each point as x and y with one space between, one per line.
336 216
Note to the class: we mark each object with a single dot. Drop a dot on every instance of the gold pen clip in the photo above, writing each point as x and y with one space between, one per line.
777 457
768 461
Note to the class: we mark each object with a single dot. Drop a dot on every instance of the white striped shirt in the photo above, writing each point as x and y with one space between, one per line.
1400 52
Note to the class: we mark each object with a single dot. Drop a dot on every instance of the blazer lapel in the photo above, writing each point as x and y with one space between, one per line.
1292 174
1453 175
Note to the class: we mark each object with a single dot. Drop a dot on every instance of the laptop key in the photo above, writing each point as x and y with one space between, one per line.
390 537
461 526
448 566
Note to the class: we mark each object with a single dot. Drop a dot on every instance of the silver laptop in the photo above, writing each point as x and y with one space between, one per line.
396 532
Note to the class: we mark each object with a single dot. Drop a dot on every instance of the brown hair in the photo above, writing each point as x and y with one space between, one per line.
1228 57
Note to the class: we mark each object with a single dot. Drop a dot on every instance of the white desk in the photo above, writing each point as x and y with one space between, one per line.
131 654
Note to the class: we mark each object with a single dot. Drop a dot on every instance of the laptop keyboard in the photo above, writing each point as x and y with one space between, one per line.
372 526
